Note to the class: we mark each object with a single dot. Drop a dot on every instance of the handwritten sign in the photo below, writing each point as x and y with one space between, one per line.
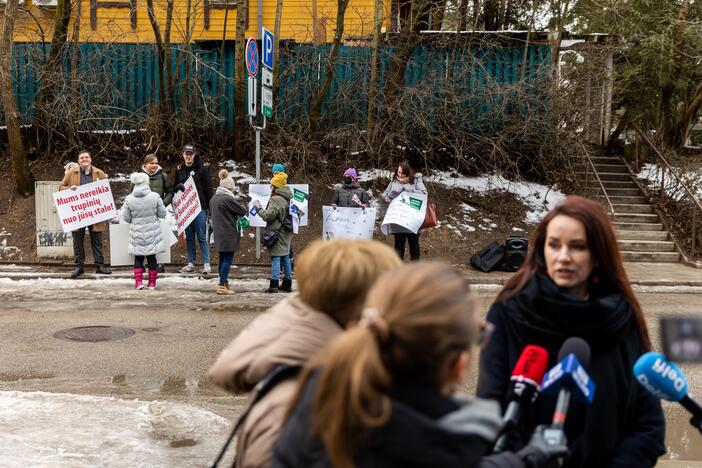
186 205
262 193
348 223
86 205
407 210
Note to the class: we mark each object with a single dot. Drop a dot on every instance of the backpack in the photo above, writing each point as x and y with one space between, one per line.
277 375
489 258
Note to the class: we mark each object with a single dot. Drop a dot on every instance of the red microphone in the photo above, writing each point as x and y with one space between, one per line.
524 387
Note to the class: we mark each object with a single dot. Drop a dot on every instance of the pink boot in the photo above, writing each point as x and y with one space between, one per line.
153 274
138 274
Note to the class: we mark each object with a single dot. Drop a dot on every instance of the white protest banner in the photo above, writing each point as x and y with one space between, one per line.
348 223
407 210
86 205
119 241
262 193
186 205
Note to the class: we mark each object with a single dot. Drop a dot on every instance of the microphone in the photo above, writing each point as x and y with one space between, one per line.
524 387
666 381
567 379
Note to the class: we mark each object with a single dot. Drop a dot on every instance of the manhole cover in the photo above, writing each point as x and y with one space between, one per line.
94 334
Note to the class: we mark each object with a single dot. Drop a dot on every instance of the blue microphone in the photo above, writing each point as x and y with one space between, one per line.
666 381
567 379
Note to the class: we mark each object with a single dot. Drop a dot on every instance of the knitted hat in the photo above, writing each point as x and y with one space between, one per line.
139 178
277 167
351 172
279 180
226 181
71 166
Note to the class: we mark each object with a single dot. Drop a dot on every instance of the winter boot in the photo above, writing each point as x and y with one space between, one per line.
273 288
153 274
77 272
138 278
286 286
224 289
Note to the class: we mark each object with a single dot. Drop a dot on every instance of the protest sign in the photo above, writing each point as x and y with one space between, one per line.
186 205
262 193
119 241
407 211
348 223
86 205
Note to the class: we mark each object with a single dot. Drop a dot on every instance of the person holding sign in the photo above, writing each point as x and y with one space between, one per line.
350 194
275 216
404 180
226 211
142 210
194 166
85 173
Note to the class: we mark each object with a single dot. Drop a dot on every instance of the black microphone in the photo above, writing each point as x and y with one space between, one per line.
568 379
524 387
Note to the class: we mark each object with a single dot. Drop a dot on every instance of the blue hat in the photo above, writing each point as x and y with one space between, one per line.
277 167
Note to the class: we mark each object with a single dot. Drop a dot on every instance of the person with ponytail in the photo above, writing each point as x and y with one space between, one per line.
333 279
225 211
573 283
383 394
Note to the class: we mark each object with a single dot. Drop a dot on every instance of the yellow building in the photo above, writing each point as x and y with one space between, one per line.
127 21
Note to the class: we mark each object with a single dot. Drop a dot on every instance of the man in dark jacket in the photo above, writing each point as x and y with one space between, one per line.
194 166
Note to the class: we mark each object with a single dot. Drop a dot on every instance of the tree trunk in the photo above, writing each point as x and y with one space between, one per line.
277 72
462 15
318 98
23 177
242 12
52 71
437 15
75 84
161 55
167 60
671 128
373 82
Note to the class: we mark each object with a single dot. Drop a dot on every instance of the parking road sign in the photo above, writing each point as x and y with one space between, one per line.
267 101
268 45
251 57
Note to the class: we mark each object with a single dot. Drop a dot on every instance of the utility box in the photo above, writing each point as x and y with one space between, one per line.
52 242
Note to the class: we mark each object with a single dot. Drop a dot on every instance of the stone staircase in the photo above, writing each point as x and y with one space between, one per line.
642 236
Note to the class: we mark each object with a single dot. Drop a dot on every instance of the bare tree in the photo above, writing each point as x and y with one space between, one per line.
23 176
373 82
242 13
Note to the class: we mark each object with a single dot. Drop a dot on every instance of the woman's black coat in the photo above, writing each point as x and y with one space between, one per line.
624 426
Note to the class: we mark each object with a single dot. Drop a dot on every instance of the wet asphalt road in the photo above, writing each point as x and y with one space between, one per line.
179 330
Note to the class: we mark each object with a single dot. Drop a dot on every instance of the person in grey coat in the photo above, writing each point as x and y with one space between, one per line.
225 211
278 208
404 180
142 210
350 194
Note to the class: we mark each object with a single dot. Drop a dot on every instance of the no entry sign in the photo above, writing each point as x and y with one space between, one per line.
251 57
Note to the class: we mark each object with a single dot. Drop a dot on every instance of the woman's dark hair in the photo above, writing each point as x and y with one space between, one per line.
604 249
407 169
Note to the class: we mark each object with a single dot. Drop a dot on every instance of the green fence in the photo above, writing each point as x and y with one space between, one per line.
119 83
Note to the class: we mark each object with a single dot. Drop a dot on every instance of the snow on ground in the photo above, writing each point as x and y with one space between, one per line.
652 174
538 198
43 429
367 176
7 250
126 283
239 177
120 177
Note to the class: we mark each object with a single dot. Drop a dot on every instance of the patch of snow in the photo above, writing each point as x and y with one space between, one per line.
652 174
120 177
467 207
239 177
538 198
516 229
59 429
367 176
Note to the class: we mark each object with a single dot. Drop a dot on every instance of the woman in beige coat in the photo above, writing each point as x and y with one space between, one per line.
333 279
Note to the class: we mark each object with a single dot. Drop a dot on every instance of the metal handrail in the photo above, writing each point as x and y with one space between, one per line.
687 189
610 207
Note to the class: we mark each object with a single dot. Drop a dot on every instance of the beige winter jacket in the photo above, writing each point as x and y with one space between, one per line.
288 333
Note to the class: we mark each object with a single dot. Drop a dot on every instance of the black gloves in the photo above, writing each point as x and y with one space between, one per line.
179 188
539 454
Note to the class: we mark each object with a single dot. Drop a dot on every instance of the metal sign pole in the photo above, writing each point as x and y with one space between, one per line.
258 131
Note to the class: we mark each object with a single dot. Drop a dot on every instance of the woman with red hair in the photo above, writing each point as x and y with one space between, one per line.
573 283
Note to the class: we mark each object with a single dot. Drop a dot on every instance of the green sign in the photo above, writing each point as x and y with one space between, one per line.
415 203
267 101
301 196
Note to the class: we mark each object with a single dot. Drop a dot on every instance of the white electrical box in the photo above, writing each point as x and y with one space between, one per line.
52 242
44 3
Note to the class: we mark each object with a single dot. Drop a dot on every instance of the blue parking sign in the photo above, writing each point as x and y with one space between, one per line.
268 45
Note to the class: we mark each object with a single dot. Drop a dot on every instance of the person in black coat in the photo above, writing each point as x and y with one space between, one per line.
383 393
226 211
573 283
194 166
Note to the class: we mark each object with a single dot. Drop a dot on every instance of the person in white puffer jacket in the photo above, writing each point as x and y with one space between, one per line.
142 210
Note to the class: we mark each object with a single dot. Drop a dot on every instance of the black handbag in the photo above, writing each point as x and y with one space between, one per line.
269 238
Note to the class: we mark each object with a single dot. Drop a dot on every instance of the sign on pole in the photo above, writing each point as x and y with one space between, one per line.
268 44
86 205
266 77
251 57
267 101
252 96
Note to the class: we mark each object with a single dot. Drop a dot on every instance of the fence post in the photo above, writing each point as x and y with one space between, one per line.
694 228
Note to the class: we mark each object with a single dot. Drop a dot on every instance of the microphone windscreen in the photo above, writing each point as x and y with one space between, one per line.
532 364
577 346
660 377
